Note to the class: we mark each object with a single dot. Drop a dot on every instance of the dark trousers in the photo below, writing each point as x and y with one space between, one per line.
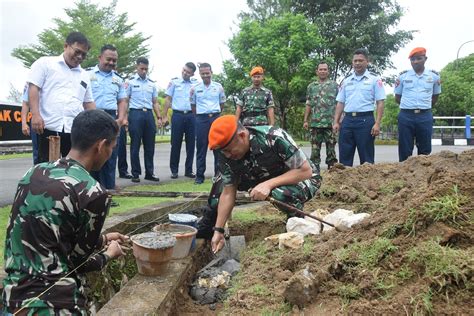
414 128
182 125
34 145
106 174
203 125
355 133
122 152
43 144
142 128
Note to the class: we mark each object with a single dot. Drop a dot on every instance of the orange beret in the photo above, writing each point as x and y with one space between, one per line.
222 131
256 71
417 51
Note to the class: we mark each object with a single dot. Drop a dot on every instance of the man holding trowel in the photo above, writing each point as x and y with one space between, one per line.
262 159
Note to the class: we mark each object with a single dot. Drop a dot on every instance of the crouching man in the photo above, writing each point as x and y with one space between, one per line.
54 232
262 159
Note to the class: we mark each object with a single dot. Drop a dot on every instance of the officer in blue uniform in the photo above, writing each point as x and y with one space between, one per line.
110 96
207 102
122 164
142 94
357 95
416 90
183 121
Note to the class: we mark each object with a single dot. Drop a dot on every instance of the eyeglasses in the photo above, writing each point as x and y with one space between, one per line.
78 52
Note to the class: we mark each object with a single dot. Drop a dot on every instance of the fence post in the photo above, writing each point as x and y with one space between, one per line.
468 126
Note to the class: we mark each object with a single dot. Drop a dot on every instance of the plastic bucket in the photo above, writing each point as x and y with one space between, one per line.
184 235
152 252
184 219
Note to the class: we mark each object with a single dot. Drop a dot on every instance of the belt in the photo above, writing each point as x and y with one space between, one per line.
142 109
415 111
182 112
209 114
368 113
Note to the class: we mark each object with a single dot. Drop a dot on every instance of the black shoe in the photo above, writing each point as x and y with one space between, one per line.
190 175
114 204
174 176
198 181
152 178
126 176
137 179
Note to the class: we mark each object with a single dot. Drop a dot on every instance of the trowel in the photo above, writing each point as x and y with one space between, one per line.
232 247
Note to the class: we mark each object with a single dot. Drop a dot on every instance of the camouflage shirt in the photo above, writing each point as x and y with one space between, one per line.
321 97
254 103
272 153
55 225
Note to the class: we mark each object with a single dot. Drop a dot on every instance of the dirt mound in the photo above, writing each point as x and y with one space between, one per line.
413 255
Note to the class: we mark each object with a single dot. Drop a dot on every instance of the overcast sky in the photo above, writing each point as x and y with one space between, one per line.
186 30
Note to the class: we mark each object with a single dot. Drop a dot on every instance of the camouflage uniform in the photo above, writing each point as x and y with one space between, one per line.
54 226
321 97
272 153
255 103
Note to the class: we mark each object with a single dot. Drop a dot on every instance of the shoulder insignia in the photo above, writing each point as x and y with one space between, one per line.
89 68
151 80
174 78
115 72
435 72
194 80
404 71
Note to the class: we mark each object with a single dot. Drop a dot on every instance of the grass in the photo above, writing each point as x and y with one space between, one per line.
348 292
327 191
308 245
366 254
174 186
282 309
130 203
250 216
15 156
260 290
446 208
4 216
392 187
443 264
423 304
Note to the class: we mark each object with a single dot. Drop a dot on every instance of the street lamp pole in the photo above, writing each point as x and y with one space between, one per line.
457 55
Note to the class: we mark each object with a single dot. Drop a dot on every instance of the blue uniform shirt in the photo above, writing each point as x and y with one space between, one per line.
141 93
359 93
417 90
179 91
207 99
107 88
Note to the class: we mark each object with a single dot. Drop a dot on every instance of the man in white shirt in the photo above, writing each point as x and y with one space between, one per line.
59 89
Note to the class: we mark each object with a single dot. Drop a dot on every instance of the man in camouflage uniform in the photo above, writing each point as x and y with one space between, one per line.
54 232
321 103
263 159
255 104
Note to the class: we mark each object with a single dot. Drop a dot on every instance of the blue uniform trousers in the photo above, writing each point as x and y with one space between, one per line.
106 174
414 127
142 128
122 152
182 124
34 144
203 125
355 133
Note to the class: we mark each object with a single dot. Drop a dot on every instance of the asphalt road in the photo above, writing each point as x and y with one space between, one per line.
12 170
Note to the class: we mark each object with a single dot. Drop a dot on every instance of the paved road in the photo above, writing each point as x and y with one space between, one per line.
13 169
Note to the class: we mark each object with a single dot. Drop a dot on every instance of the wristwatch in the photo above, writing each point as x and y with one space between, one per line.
218 229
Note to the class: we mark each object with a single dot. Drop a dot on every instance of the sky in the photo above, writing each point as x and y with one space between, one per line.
187 30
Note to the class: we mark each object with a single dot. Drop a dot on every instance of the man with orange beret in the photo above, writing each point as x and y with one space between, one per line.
262 159
255 104
416 91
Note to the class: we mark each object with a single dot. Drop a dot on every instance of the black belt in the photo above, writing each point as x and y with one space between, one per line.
142 109
368 113
415 111
209 114
182 112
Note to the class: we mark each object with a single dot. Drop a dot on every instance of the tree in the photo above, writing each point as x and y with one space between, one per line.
101 26
345 26
14 95
457 95
287 47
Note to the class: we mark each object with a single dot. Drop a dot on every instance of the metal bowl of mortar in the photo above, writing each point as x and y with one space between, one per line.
153 251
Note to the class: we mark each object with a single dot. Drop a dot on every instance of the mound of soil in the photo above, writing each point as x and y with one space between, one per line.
413 255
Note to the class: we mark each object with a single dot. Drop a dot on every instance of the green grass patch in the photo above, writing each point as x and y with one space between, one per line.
366 254
4 217
447 208
15 156
392 187
256 248
348 292
392 231
129 203
443 264
405 273
386 142
174 186
282 309
260 290
308 245
327 191
422 303
250 216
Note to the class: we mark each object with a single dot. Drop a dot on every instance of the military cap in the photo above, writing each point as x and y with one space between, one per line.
257 70
222 131
417 51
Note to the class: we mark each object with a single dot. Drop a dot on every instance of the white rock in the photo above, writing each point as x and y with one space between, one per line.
304 226
344 218
292 240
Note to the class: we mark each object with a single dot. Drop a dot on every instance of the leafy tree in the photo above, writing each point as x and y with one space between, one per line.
101 25
390 115
346 25
287 47
457 95
14 95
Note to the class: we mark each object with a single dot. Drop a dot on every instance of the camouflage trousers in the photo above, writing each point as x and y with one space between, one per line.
318 137
43 311
295 195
